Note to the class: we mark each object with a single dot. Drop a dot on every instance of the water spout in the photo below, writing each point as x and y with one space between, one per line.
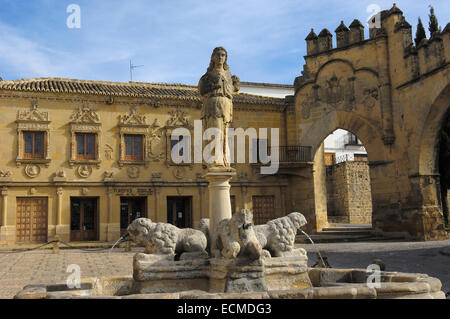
314 245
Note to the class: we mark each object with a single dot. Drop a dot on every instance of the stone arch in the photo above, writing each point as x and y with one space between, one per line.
368 133
371 136
430 138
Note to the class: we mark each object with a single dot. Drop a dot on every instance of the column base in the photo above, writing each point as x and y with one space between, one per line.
8 234
112 232
63 232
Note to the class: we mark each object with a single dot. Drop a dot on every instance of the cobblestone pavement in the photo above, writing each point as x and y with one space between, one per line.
43 267
431 258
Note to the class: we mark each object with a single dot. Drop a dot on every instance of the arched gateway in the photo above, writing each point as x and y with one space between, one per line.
394 97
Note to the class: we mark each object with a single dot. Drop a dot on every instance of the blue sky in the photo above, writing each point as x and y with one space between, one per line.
173 39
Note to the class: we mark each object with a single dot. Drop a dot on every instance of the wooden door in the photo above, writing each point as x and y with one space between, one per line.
83 219
263 209
31 220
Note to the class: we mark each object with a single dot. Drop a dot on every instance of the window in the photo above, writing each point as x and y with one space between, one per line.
85 146
33 145
176 145
133 147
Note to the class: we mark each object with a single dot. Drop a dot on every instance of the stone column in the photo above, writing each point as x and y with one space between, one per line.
4 205
219 199
5 233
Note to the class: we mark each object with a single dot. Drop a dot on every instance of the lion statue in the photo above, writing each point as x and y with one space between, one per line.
163 238
278 235
236 237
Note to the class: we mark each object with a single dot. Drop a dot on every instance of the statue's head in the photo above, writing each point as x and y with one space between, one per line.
221 54
139 230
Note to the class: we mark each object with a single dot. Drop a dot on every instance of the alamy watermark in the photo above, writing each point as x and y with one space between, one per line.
74 279
374 276
216 152
74 19
374 20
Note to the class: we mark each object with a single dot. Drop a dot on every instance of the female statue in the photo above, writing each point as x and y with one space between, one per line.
217 87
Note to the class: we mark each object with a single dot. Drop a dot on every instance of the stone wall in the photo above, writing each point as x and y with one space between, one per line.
349 198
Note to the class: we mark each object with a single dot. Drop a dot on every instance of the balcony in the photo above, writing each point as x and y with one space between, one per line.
295 154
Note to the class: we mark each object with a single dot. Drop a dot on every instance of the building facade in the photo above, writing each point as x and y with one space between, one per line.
80 159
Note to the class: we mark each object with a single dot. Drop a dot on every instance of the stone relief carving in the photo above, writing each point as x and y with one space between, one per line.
370 98
108 152
178 118
33 114
108 175
179 172
84 171
85 114
133 118
334 92
133 172
32 170
5 174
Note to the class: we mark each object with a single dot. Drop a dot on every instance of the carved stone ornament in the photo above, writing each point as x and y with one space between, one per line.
5 174
133 172
179 172
133 118
370 98
84 171
108 152
32 170
33 115
178 118
85 114
108 175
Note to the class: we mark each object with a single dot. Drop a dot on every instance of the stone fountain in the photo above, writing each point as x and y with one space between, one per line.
229 257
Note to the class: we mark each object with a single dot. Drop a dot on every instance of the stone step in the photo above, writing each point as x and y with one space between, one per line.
329 237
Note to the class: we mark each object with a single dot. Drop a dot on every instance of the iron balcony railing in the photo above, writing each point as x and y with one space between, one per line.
295 154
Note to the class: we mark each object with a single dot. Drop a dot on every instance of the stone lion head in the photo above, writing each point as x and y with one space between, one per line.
298 219
139 230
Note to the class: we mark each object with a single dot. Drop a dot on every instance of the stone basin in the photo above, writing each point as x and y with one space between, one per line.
285 278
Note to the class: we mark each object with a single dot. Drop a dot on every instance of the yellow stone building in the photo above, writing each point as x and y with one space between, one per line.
80 159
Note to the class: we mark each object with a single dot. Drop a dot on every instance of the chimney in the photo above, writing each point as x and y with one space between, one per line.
325 40
356 32
311 43
342 35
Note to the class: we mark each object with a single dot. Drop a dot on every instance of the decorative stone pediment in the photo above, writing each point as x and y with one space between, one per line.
132 119
33 115
85 115
178 118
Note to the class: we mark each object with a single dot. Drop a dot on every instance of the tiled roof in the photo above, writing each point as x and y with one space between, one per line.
131 89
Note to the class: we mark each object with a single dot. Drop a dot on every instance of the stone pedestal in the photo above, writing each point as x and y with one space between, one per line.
219 198
160 273
238 275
